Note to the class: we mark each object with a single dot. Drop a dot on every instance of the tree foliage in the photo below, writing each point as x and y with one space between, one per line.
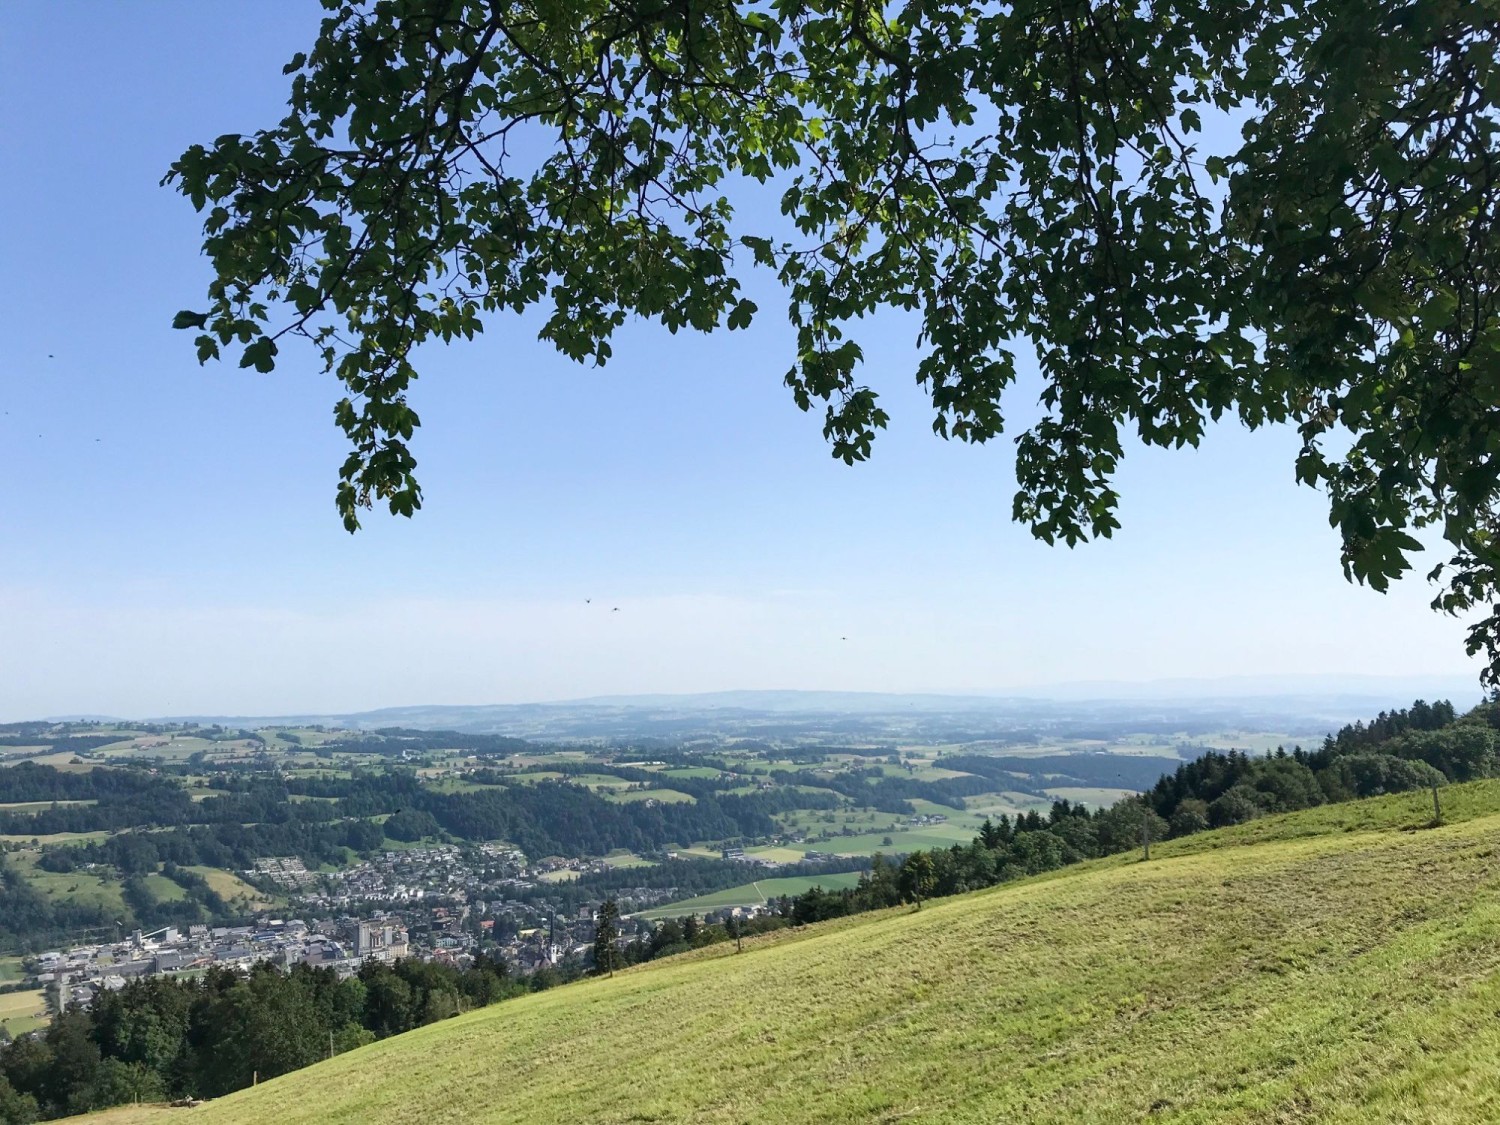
1015 175
606 931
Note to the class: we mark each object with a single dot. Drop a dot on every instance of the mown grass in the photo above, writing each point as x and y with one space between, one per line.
21 1012
754 893
1341 965
907 840
627 859
163 889
57 838
665 796
126 1115
231 887
82 887
1094 796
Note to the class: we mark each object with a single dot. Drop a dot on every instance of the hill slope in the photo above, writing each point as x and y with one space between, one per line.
1343 966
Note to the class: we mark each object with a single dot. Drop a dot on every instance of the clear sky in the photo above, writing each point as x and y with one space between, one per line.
168 541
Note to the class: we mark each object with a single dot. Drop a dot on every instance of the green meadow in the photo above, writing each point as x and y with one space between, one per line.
666 796
754 893
1340 965
21 1012
81 887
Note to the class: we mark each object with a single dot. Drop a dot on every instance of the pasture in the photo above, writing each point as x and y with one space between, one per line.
21 1012
754 893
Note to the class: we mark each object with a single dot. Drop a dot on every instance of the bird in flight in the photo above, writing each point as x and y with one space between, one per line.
615 610
588 601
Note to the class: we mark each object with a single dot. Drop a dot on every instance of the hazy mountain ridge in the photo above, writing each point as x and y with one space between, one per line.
1302 705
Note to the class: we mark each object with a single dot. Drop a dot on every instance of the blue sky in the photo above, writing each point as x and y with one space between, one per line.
168 541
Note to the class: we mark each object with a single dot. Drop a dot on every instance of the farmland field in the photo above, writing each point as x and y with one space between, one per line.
755 893
21 1012
666 796
778 855
1094 797
80 887
230 886
58 838
1008 803
627 859
908 840
163 889
62 760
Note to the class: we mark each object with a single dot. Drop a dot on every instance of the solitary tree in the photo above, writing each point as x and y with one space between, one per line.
606 930
917 877
989 834
1276 212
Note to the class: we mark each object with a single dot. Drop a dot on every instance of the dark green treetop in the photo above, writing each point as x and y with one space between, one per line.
606 930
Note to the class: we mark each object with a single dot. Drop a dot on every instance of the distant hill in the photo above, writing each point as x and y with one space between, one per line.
1340 964
1302 706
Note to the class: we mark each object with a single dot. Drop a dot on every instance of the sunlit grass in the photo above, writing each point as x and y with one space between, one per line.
21 1012
1338 965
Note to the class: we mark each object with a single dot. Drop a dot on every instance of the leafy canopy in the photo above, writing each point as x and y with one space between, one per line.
1018 174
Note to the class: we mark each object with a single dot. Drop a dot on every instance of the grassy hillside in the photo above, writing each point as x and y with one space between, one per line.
1339 965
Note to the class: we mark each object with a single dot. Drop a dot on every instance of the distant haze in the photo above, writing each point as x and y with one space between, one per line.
1301 706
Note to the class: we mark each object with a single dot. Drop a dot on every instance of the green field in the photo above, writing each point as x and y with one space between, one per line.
1008 803
753 894
1097 798
21 1012
697 852
455 785
59 838
63 760
779 855
1337 966
230 886
627 859
597 781
10 970
665 796
38 806
815 822
163 889
82 887
909 840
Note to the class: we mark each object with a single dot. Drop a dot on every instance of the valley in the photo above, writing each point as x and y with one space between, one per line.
1339 964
